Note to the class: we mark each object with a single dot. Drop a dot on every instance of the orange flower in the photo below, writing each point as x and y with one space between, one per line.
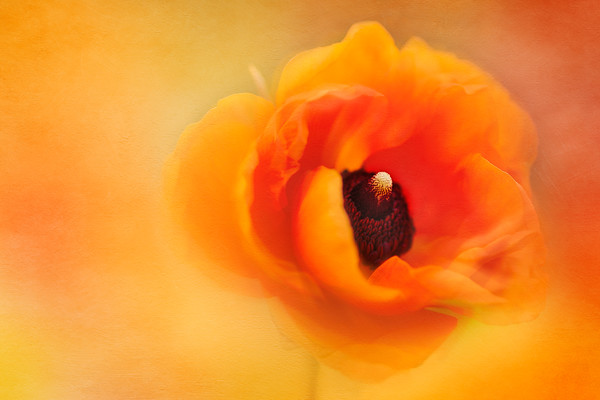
373 268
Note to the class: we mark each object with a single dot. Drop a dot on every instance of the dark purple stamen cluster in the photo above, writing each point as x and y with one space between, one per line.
382 226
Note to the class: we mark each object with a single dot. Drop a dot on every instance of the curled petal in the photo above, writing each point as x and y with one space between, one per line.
326 248
501 250
325 242
333 127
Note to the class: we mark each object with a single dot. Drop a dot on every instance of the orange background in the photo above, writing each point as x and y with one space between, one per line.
95 301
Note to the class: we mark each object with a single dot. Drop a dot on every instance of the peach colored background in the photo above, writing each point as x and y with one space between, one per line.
95 301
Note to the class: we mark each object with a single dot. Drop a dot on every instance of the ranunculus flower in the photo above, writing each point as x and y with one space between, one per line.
383 194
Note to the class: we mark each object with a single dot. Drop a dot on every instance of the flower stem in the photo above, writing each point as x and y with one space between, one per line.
313 389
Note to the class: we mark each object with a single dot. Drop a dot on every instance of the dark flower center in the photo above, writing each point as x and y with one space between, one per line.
378 214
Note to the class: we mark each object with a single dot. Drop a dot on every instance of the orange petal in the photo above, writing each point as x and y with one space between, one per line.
432 188
496 274
499 205
367 56
327 250
469 112
202 177
329 127
393 273
324 236
510 268
450 200
397 273
475 226
434 93
485 121
363 345
506 254
454 289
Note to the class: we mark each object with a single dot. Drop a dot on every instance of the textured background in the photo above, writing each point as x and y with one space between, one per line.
95 303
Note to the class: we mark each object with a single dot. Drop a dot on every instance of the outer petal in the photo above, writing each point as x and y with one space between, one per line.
468 112
367 56
482 121
202 177
364 346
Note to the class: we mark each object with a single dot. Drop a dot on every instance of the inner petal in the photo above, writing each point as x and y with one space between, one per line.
434 196
307 132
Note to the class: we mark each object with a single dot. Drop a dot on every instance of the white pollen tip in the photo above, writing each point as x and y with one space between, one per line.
381 184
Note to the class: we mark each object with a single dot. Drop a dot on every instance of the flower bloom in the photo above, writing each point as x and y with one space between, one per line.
384 193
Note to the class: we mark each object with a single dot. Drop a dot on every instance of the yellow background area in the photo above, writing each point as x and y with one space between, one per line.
97 303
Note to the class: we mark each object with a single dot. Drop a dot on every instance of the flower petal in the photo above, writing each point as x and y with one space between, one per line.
495 273
432 93
505 253
363 345
485 121
325 241
202 177
468 112
333 127
367 56
326 248
477 244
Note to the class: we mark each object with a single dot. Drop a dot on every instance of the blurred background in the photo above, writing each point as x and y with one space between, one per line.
95 303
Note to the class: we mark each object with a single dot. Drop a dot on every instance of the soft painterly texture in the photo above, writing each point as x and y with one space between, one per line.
448 133
97 304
